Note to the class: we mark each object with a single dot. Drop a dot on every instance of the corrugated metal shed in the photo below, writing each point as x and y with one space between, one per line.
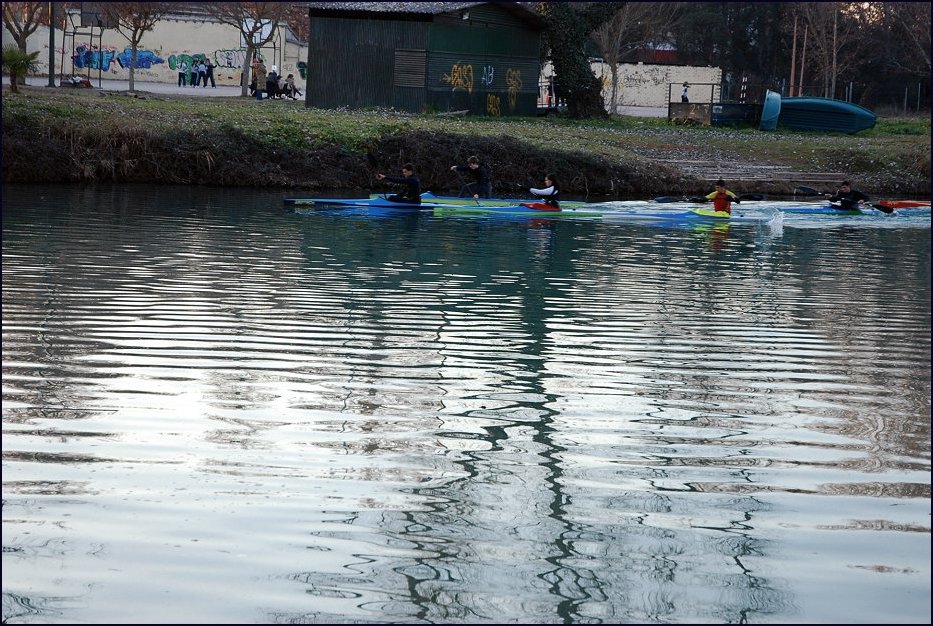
480 57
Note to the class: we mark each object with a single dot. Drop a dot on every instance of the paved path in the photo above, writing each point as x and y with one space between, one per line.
107 84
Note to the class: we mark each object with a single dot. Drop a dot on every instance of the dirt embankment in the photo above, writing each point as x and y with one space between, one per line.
54 137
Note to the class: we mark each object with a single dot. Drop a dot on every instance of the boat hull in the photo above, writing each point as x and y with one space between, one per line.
824 114
770 111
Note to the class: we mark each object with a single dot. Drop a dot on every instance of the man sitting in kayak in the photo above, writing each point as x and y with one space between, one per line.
412 191
481 187
847 197
722 198
549 192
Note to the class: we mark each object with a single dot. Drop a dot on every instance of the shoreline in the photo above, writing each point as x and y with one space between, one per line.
91 135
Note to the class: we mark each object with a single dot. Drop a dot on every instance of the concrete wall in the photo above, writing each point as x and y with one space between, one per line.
161 51
649 85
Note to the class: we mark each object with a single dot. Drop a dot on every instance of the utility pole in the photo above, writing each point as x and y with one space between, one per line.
51 44
793 58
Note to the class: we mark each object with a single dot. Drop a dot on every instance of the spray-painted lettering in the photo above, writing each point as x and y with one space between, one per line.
144 58
513 81
488 75
460 77
493 104
303 70
94 59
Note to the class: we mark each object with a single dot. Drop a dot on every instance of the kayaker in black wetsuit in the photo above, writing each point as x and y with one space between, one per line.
412 191
482 185
549 192
847 197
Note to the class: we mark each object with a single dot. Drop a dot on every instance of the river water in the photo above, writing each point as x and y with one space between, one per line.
220 410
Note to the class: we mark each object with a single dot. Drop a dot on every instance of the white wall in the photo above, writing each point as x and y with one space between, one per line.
160 52
648 85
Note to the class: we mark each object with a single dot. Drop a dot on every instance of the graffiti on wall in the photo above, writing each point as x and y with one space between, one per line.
493 104
144 59
513 81
84 57
154 63
460 77
488 75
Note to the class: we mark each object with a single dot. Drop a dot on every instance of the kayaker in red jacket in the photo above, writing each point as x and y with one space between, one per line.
722 198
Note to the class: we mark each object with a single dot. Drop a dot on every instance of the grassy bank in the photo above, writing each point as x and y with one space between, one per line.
63 135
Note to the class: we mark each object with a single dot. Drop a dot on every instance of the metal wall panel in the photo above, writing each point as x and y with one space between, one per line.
487 64
351 61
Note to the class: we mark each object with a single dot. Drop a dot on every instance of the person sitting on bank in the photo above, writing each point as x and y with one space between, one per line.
550 192
412 192
481 187
847 197
722 198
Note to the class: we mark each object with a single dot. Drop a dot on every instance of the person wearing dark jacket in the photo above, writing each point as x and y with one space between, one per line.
481 187
847 197
412 192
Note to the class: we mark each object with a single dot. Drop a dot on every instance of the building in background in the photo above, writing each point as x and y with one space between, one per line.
482 58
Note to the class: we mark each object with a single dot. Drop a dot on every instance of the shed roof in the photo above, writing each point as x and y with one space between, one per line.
420 9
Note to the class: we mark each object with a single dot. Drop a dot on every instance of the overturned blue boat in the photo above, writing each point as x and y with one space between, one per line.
825 114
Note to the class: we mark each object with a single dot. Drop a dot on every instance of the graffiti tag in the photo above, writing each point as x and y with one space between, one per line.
488 75
493 104
144 58
94 59
460 77
513 81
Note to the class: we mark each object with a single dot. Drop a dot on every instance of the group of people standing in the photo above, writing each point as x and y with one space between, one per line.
196 73
271 83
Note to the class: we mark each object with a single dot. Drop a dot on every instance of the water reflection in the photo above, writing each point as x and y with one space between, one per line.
420 419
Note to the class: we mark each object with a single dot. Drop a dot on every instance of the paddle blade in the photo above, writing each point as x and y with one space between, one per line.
754 197
883 208
810 191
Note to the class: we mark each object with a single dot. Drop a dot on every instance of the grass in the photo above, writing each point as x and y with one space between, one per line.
897 148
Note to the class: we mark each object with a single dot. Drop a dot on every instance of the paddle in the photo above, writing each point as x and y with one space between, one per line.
463 183
810 191
374 166
752 197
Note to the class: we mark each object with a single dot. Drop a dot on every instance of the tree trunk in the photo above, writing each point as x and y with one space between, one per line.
614 98
244 72
134 45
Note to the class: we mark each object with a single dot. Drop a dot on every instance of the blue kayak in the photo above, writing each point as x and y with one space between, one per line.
825 209
377 202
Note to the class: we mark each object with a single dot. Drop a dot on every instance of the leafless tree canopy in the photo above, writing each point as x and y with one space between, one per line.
249 18
22 19
133 20
631 26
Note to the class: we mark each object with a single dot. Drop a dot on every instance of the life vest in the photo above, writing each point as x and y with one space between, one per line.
722 202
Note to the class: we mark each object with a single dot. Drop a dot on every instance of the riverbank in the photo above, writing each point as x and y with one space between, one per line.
87 135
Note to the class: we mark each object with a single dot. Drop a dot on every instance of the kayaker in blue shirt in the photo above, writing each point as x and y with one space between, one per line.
847 197
412 191
549 192
481 187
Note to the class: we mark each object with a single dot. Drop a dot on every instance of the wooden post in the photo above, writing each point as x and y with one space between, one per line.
803 59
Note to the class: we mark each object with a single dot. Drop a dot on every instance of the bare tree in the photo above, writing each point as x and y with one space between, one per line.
22 19
832 34
257 22
133 20
633 25
910 21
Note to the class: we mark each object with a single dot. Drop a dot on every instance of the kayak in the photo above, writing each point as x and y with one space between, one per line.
430 197
377 202
529 209
824 209
693 216
902 204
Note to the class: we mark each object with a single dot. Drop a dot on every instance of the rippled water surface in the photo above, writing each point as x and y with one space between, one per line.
219 410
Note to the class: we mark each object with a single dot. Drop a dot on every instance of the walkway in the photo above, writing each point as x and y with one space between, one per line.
108 84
